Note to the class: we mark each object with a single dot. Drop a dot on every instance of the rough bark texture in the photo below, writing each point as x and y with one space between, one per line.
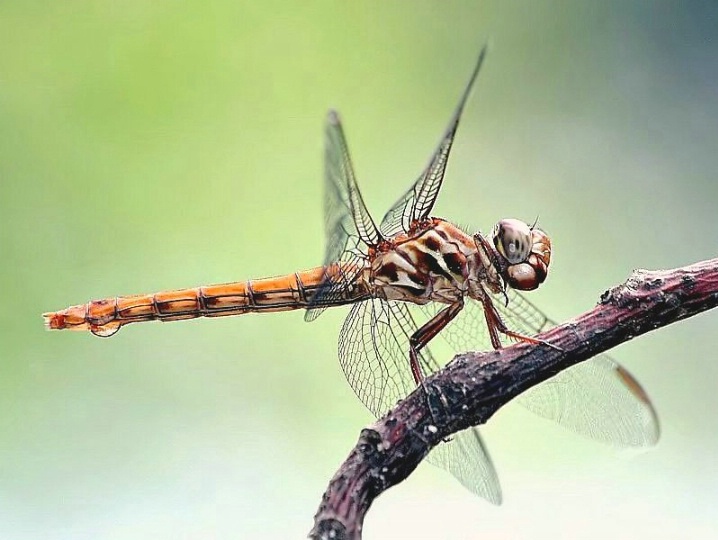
473 386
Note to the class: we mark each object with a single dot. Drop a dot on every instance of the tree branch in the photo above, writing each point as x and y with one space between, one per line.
473 386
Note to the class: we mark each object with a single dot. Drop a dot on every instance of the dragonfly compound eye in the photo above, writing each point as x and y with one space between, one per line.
512 239
529 274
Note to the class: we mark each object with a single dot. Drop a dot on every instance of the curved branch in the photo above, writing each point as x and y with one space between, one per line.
473 386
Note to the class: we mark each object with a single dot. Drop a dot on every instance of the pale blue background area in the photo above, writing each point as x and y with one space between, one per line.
154 145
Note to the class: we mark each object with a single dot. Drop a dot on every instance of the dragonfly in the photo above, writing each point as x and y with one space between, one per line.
408 280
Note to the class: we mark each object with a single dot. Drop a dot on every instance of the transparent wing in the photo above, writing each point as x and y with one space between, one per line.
374 354
598 398
373 357
338 280
340 173
348 225
417 203
465 456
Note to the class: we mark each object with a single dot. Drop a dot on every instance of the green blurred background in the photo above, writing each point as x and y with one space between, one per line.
153 145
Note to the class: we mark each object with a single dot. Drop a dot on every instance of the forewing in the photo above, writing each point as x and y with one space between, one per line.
598 398
347 223
374 354
418 201
340 178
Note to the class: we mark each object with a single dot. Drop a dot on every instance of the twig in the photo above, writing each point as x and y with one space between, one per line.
473 386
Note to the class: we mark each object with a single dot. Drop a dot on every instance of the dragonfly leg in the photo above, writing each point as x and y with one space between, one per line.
426 333
496 325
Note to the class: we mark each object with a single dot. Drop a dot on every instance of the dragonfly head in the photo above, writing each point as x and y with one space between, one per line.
524 251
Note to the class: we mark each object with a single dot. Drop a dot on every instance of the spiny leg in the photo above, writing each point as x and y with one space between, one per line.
496 325
426 333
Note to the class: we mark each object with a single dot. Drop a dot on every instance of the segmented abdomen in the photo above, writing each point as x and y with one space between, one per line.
105 317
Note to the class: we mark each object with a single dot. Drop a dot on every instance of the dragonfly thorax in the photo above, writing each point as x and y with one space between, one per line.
434 262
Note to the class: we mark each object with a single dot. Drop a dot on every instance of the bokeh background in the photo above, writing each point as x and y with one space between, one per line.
153 145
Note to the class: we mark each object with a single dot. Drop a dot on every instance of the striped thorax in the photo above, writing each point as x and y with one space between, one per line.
436 261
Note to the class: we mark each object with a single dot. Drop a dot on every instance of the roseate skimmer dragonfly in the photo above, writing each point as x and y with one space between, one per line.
409 279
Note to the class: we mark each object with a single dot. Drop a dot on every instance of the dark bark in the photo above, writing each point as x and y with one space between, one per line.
473 386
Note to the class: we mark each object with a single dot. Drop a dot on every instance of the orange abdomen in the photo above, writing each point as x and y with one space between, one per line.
105 317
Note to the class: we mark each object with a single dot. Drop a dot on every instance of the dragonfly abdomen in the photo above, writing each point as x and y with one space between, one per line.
105 317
